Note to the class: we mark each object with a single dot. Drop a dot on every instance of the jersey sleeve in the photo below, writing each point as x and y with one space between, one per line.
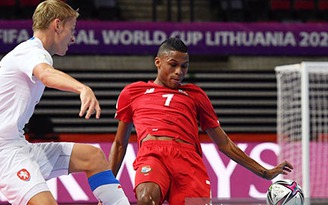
123 106
206 113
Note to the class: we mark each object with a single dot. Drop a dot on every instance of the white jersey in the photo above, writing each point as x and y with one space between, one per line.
20 91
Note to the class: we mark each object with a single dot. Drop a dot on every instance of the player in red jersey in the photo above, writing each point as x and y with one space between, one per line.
166 115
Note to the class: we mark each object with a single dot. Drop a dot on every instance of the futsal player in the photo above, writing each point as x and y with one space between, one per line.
24 73
166 114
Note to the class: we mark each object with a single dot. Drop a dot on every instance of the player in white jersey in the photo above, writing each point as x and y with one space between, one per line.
24 74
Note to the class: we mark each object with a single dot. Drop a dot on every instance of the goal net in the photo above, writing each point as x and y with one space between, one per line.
302 124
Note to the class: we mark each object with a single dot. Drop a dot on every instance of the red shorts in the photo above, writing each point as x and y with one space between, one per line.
176 167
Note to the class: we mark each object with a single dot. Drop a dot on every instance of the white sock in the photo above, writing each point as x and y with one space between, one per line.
111 194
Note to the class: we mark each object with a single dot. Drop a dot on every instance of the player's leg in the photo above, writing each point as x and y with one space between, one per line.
42 198
148 193
87 158
103 183
21 179
152 178
192 185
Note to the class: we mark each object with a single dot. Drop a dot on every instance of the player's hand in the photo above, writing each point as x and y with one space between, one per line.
282 168
89 103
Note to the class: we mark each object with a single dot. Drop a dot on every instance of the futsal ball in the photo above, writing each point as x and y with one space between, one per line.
285 192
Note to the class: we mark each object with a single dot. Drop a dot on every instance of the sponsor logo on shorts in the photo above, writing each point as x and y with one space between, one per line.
145 169
24 175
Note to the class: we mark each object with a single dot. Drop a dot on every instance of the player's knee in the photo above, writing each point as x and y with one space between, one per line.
42 198
89 159
146 199
41 203
97 159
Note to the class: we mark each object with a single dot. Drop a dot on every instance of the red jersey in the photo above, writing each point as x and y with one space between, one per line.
161 111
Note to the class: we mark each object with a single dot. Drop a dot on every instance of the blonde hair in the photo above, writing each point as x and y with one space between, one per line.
49 10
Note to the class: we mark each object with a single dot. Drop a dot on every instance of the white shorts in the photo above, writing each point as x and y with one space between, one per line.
24 169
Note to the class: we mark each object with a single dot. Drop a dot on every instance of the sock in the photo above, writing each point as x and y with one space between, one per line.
107 189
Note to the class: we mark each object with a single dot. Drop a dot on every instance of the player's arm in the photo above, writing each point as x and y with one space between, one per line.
119 146
229 148
57 79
